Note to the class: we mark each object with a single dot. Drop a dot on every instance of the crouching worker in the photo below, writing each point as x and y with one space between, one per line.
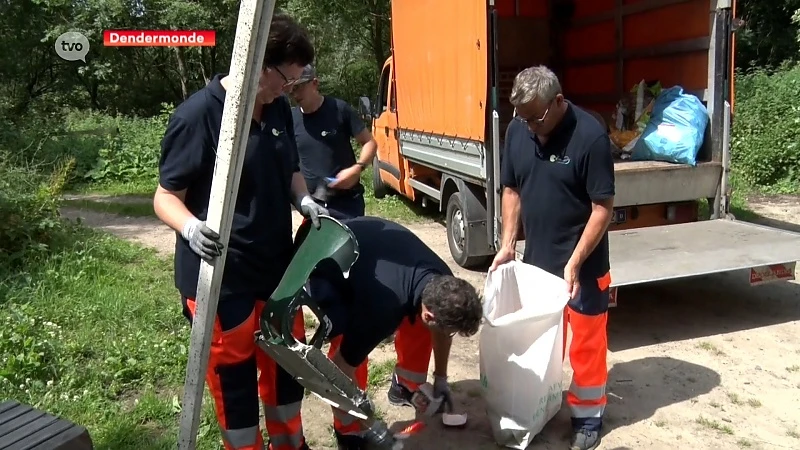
397 284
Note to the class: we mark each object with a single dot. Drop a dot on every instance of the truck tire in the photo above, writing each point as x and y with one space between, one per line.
458 234
379 189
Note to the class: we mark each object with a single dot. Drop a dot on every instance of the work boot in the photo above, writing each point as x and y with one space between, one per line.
349 442
585 440
399 395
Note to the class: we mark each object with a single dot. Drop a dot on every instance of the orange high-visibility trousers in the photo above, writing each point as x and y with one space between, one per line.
587 317
239 372
413 347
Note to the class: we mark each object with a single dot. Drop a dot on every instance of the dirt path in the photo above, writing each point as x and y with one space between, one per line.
706 363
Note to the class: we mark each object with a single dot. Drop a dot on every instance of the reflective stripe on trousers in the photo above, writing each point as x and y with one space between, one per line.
287 421
413 347
588 355
243 438
235 383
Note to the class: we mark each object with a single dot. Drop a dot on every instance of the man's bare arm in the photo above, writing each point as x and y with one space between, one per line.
511 211
369 147
597 225
169 207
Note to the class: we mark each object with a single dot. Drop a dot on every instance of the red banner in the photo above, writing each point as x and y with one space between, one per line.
159 38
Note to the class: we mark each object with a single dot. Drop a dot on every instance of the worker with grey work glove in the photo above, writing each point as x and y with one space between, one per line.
310 209
202 240
441 389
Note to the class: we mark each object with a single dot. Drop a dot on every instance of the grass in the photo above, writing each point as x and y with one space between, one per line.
738 202
393 206
94 333
130 209
380 373
754 403
708 346
714 425
143 188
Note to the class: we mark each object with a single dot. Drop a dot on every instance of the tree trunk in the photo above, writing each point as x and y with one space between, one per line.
184 77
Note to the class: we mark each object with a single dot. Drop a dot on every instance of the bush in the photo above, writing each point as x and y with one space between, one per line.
131 155
29 205
766 129
105 149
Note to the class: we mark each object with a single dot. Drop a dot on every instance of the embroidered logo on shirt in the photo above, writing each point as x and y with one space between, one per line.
328 133
560 159
277 132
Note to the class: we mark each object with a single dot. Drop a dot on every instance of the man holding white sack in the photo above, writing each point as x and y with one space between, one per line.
558 182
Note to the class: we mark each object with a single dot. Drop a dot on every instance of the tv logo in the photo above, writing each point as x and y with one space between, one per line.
72 46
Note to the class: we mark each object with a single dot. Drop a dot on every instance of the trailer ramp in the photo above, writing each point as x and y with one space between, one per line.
676 251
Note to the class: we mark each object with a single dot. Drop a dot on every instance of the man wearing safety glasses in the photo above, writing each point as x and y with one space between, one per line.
260 245
323 127
557 174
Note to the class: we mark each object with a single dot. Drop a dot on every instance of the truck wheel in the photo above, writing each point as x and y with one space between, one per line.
458 234
379 189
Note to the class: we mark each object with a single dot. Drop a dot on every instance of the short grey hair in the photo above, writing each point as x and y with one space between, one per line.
532 83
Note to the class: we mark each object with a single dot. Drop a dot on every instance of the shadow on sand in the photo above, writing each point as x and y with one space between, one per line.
698 307
635 393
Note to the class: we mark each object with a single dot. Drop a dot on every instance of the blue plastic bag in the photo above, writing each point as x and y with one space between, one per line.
675 131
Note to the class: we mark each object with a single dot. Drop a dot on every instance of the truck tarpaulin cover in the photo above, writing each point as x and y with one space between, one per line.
441 83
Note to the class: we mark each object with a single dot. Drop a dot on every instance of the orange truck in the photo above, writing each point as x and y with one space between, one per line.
442 108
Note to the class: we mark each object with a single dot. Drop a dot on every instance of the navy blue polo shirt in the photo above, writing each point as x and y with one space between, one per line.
261 245
383 287
557 183
323 141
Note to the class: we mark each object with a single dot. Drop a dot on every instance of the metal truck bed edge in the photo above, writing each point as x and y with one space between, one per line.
675 251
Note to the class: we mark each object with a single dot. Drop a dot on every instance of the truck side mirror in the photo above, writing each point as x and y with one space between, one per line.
365 109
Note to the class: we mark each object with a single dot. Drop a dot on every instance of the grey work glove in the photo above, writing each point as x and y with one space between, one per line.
202 240
312 210
441 389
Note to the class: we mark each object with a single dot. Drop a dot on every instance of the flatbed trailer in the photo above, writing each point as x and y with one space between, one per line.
442 108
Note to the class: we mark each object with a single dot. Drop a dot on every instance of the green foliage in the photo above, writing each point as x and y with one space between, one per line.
105 149
29 207
766 129
131 155
769 35
92 331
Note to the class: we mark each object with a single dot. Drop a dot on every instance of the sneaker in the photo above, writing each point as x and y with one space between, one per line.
585 440
399 395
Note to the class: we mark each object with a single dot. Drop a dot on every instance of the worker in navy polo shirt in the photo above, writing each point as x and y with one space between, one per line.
323 127
260 245
558 182
397 284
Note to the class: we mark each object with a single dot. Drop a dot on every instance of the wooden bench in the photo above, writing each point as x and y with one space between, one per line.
25 428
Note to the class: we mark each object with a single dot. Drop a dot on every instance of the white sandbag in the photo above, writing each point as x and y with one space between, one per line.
521 345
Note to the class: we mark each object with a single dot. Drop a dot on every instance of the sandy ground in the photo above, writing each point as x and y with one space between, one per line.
706 363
